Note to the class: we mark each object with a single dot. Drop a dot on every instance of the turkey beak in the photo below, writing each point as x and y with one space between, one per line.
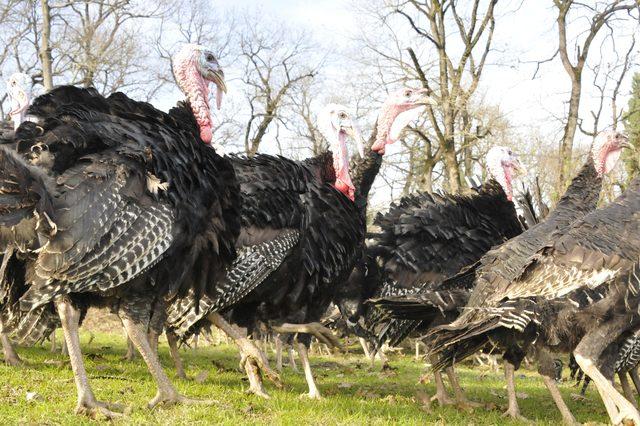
353 131
625 144
519 168
22 101
426 98
217 77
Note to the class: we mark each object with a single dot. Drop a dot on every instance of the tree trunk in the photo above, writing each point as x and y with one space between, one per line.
426 179
566 145
45 48
451 165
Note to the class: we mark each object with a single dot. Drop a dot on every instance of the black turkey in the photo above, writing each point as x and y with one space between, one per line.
19 91
504 265
426 238
324 231
105 196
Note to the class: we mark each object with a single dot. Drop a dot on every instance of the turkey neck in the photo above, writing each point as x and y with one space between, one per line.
364 173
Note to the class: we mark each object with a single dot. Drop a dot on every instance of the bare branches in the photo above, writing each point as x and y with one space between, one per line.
600 14
275 64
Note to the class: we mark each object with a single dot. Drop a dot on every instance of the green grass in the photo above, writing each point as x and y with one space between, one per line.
354 393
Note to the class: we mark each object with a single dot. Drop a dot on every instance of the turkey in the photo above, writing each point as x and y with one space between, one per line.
426 238
504 265
299 230
577 262
298 199
545 306
100 201
398 110
19 92
624 362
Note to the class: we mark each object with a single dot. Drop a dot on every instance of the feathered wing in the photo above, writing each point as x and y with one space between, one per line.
25 201
440 234
252 267
426 238
107 231
591 252
505 263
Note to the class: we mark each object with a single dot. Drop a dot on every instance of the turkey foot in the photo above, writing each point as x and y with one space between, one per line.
11 357
317 330
255 380
514 413
247 348
441 393
172 398
93 408
461 400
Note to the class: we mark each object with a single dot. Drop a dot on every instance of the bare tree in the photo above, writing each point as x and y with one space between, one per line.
45 48
275 63
474 33
600 13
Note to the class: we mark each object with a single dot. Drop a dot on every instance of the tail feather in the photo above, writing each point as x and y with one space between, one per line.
422 306
36 325
26 198
394 332
252 267
451 355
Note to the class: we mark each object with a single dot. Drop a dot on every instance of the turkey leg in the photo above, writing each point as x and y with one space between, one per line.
546 368
249 352
441 392
131 351
172 340
634 377
588 352
10 355
557 398
167 393
365 347
292 360
461 399
278 354
314 393
53 341
513 410
626 388
317 330
87 403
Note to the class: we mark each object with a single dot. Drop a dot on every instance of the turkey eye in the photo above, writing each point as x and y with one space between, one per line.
342 115
407 93
209 57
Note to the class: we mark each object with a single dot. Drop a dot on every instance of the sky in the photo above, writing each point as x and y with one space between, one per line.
525 33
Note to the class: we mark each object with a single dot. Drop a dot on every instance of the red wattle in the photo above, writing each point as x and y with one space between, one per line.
346 189
206 134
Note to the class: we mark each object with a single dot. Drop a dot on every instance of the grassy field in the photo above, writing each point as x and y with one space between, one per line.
354 392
